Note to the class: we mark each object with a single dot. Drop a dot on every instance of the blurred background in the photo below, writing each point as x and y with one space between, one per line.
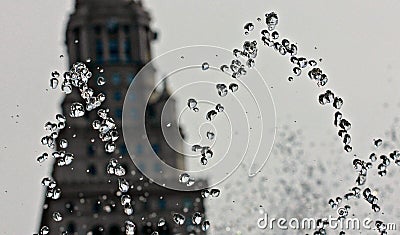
357 42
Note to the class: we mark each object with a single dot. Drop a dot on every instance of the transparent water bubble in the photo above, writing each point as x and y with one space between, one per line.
66 87
236 53
155 233
101 81
346 139
125 199
56 193
184 178
348 148
196 148
233 87
42 158
275 35
119 170
215 192
344 124
205 225
205 193
248 27
337 103
128 209
179 219
55 74
192 103
53 83
57 216
123 185
312 63
205 66
60 118
196 218
224 68
63 143
377 142
290 79
207 152
44 230
219 108
271 19
190 182
222 89
250 63
129 227
297 71
211 115
161 222
210 135
110 147
203 161
77 110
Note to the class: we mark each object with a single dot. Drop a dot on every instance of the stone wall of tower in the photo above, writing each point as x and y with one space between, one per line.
113 36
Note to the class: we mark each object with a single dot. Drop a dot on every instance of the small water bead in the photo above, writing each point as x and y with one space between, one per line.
205 66
184 178
55 74
129 228
155 233
248 27
222 89
337 103
101 81
297 71
60 118
169 124
224 68
44 230
196 218
275 35
271 19
195 109
53 83
179 219
203 161
210 135
344 124
348 148
110 147
161 222
57 216
196 148
77 110
128 209
211 115
63 143
123 185
205 225
250 63
125 199
205 193
338 118
215 192
290 79
312 63
219 108
233 87
207 152
346 139
192 103
190 182
377 142
42 158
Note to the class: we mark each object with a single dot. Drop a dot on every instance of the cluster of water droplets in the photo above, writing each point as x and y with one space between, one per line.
107 129
185 178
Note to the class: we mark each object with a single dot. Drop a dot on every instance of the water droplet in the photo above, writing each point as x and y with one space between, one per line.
110 147
44 230
129 228
205 66
211 115
42 157
57 216
312 63
224 68
219 108
205 193
337 103
77 110
101 81
169 124
203 161
53 83
275 35
161 222
378 142
233 87
250 63
215 192
179 219
210 135
190 182
271 19
249 27
123 185
206 152
205 225
297 71
192 103
196 148
63 143
184 178
290 79
222 89
125 199
196 218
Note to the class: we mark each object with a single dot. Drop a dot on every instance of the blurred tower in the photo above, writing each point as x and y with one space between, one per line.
114 36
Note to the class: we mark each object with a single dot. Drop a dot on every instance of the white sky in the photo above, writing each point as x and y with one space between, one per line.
358 41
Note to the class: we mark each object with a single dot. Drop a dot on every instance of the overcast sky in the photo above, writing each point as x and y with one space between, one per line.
358 42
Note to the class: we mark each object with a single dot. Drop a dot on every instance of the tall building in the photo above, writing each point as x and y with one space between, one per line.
113 38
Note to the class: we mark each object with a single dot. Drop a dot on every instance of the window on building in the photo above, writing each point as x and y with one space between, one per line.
162 204
90 150
117 96
71 228
99 51
123 150
115 230
113 49
118 113
127 50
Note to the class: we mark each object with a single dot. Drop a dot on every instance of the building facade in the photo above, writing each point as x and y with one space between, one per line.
113 38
